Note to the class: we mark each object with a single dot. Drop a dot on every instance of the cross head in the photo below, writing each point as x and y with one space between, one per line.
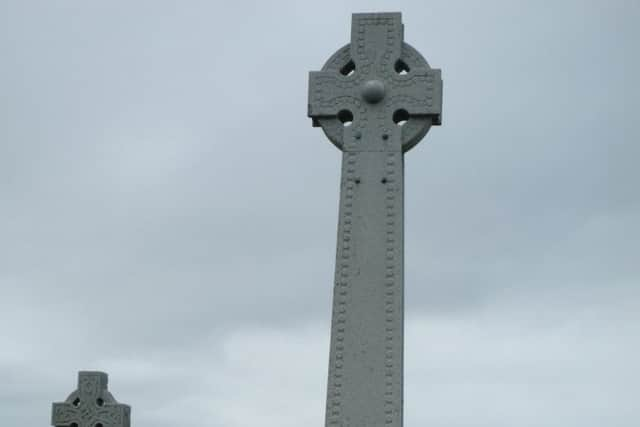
377 93
91 405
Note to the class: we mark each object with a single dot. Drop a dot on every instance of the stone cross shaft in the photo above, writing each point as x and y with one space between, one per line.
91 405
375 98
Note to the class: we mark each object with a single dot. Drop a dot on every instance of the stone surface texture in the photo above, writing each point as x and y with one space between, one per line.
375 98
91 405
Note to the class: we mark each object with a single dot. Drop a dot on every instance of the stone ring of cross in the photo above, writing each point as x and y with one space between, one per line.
377 91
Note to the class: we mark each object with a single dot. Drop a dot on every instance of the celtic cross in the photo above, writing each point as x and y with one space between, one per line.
91 405
375 98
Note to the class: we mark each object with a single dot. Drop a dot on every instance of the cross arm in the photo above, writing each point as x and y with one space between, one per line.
115 414
420 93
329 93
64 414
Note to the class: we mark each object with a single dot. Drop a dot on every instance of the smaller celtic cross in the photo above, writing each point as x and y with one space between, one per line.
91 405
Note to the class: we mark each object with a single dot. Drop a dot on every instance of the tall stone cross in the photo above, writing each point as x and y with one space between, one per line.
91 405
375 98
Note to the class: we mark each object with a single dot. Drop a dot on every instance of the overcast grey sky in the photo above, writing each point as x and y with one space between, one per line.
168 213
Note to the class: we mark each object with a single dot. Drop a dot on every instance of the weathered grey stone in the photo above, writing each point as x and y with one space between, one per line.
375 99
377 54
91 405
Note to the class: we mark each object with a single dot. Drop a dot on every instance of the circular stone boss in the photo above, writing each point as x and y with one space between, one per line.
373 91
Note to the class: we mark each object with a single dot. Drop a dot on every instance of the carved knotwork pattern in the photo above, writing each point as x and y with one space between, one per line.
90 405
376 45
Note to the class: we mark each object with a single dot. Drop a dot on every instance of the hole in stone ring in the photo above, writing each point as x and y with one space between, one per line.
73 425
98 425
348 69
99 402
383 180
345 117
400 117
401 67
385 136
76 402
